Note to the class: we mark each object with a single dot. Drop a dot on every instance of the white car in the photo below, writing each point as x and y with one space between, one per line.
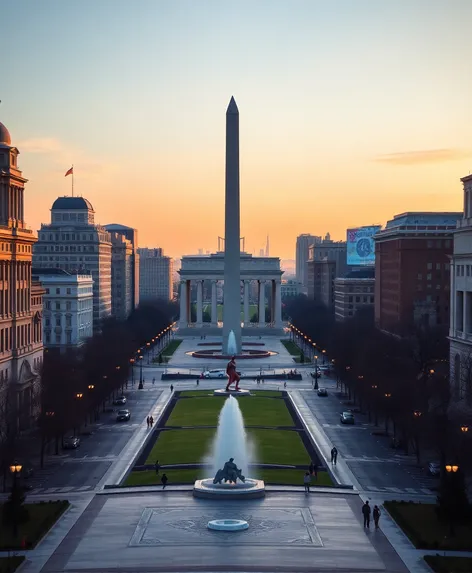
215 374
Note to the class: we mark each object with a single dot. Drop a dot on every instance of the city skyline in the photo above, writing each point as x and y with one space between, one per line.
364 108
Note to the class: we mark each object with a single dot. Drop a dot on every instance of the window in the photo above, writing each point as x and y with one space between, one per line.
358 299
68 321
438 266
58 306
428 277
68 305
350 299
68 291
457 270
430 266
467 269
58 321
58 291
69 337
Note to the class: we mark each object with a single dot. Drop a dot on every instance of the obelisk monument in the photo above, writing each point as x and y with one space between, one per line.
232 288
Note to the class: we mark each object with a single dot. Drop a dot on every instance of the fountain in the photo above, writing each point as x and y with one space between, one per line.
230 450
232 346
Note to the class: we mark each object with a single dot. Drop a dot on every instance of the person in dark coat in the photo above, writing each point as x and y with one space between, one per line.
366 514
334 455
376 516
164 481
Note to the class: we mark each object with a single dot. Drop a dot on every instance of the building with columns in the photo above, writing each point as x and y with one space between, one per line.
460 328
21 346
265 272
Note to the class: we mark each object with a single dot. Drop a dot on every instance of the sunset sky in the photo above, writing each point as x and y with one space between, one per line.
350 111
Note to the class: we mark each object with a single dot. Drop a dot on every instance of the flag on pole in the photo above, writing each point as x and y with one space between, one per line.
69 172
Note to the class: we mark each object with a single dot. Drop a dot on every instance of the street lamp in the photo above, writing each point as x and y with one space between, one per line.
140 385
324 355
451 468
49 414
464 429
90 386
79 395
374 386
132 361
387 395
15 469
417 414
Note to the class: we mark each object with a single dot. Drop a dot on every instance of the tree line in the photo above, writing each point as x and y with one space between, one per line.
75 385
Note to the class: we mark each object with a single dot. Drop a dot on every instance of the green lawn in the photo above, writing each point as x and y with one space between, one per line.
441 564
291 347
253 308
204 393
184 476
181 446
191 446
204 411
42 516
420 523
278 447
10 564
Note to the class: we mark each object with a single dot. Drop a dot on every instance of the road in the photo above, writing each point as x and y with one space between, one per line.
376 466
82 469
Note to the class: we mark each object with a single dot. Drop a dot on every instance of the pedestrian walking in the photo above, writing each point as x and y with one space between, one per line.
306 482
376 516
153 381
285 384
171 387
198 382
334 455
366 514
151 421
164 481
157 467
148 422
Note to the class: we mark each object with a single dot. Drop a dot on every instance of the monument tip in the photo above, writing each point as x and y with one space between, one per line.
232 107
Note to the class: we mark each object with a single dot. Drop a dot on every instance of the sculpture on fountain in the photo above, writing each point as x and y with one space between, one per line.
230 473
233 376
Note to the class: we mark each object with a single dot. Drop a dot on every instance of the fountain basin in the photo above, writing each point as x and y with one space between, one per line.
228 525
216 354
250 489
236 393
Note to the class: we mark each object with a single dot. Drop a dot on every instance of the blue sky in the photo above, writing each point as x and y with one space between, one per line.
334 98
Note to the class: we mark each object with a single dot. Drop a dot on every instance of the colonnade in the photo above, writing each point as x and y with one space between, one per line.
276 302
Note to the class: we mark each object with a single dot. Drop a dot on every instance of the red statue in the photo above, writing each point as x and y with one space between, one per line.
233 376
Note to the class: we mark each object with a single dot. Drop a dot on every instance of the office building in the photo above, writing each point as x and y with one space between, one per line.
301 257
290 288
68 308
21 346
353 292
73 242
320 281
412 280
132 236
122 275
155 275
328 250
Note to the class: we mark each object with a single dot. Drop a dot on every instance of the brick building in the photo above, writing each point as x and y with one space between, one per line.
412 270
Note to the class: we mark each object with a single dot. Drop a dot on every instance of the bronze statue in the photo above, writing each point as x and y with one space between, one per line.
230 473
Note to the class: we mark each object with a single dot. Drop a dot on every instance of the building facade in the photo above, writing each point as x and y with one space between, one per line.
412 279
155 275
460 330
21 346
68 308
290 288
301 257
73 242
262 275
122 276
321 275
353 292
335 251
130 235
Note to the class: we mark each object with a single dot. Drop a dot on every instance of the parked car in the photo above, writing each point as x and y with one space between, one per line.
71 443
347 417
218 374
322 392
120 401
434 469
123 415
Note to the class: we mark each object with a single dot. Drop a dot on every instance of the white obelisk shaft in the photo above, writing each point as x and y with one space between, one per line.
232 289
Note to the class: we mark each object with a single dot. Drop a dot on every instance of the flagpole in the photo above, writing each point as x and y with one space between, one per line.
72 180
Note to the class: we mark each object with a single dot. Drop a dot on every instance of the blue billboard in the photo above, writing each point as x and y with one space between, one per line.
360 245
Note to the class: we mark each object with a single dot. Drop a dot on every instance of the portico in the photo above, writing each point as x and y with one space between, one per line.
259 274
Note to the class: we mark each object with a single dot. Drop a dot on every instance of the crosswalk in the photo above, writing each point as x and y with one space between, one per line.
121 427
396 459
400 490
59 490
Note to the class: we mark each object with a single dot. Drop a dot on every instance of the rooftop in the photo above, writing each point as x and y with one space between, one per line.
72 204
5 138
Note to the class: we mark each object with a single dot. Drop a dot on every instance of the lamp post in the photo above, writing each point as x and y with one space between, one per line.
324 355
132 361
148 345
16 498
140 385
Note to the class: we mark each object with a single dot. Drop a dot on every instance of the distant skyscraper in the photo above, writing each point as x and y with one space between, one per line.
301 255
74 243
261 252
267 250
155 275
